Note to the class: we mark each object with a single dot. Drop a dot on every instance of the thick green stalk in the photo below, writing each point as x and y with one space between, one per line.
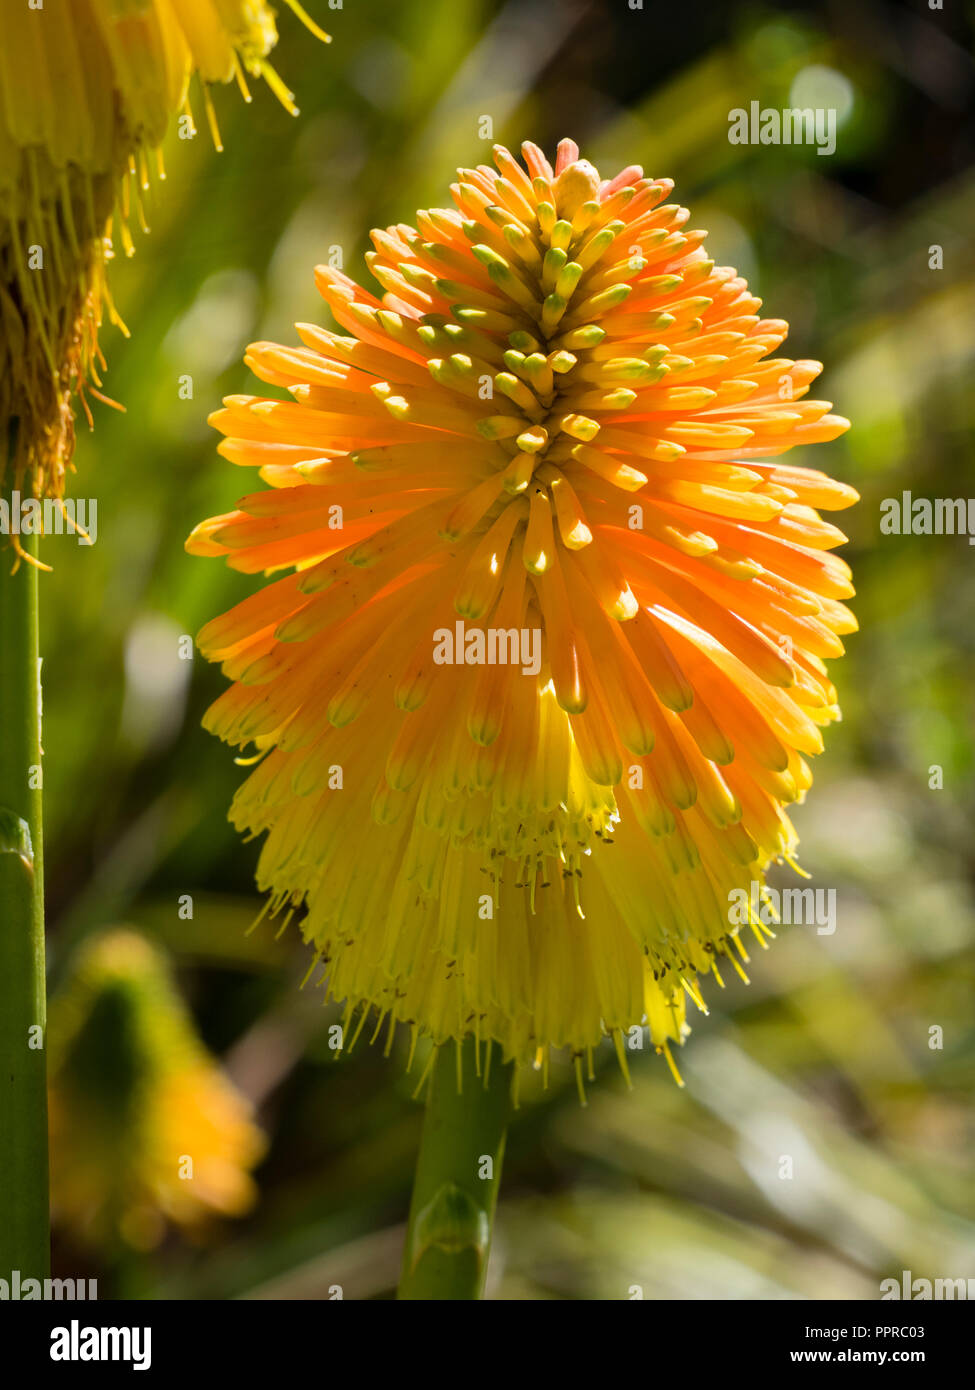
458 1170
24 1229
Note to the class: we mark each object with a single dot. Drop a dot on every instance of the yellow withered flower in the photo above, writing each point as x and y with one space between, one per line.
547 656
145 1127
87 91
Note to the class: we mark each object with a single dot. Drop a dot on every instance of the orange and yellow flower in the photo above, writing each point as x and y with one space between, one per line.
559 417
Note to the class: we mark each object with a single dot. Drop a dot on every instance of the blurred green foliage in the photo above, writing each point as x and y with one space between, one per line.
826 1056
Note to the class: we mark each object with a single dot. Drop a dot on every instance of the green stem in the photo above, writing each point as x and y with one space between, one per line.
458 1170
24 1228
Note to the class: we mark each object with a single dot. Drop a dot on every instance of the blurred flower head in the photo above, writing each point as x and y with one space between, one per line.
145 1128
547 657
87 91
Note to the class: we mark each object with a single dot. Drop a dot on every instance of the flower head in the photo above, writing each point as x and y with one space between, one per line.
555 434
87 91
145 1128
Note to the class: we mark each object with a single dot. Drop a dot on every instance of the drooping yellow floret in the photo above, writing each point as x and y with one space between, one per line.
87 91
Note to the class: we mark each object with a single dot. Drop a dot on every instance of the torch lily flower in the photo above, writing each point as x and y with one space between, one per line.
542 659
87 92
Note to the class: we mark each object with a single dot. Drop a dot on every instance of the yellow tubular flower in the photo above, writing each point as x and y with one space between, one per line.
145 1128
558 424
87 90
